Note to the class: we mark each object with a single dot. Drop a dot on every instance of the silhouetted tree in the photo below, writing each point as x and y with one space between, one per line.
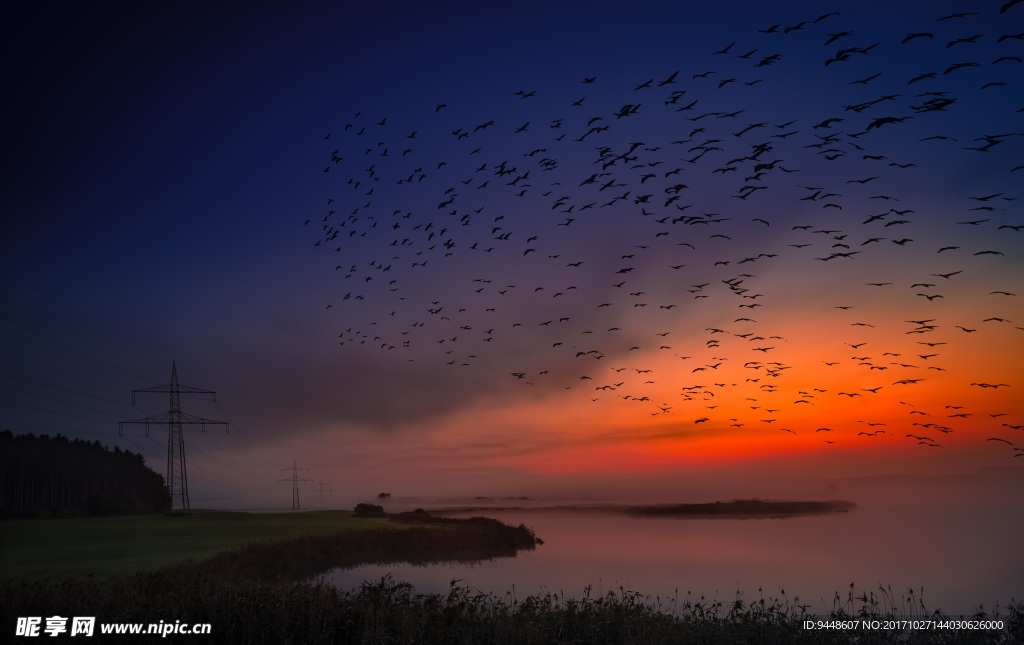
43 475
368 510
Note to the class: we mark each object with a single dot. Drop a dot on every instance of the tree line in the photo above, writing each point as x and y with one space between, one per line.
55 476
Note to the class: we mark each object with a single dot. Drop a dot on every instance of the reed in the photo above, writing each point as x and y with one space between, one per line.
259 594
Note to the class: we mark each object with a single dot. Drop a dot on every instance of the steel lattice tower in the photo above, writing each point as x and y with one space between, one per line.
323 488
174 419
294 479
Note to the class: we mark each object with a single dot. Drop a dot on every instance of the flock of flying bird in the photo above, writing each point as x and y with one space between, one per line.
575 243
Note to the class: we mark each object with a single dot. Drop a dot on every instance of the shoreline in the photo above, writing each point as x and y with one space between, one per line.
734 509
263 592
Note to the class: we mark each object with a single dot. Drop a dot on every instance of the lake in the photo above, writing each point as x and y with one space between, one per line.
963 550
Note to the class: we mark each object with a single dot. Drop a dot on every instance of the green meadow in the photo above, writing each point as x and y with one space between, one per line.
107 546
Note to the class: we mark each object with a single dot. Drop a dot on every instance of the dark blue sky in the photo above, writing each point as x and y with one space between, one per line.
161 163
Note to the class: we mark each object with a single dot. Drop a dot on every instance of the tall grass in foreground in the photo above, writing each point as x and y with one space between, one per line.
386 611
250 596
392 612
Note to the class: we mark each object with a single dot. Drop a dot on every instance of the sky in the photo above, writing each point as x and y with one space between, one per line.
588 250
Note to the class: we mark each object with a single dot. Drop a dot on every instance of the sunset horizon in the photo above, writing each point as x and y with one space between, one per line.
542 255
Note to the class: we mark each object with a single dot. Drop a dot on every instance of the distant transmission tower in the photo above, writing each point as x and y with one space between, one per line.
294 479
177 479
323 488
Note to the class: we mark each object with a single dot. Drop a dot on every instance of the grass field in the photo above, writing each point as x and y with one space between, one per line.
107 546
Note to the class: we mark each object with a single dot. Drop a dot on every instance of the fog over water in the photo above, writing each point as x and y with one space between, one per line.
955 537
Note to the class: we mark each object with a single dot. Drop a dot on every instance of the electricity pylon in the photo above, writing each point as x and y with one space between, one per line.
177 479
323 488
294 479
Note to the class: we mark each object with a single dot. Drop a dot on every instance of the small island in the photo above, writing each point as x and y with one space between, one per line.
742 509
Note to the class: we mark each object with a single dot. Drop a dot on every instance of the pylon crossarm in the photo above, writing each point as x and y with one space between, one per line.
169 387
163 417
184 418
219 423
204 422
173 420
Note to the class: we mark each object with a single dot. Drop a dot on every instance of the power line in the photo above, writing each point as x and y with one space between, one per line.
79 313
294 479
63 414
177 474
221 463
78 433
177 477
50 398
60 388
221 481
322 488
72 348
240 434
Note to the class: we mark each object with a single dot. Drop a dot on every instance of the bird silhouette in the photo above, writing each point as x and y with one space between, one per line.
645 197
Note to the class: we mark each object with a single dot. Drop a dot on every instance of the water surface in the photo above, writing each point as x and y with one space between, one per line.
963 551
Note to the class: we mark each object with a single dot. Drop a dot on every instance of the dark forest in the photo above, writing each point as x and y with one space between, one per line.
43 476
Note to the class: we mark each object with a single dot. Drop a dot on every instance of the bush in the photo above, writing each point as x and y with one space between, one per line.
369 510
